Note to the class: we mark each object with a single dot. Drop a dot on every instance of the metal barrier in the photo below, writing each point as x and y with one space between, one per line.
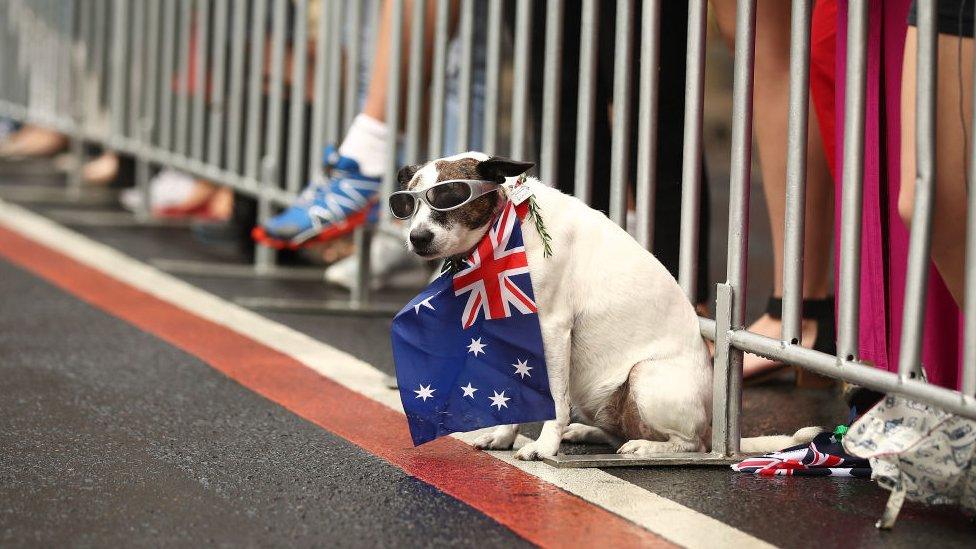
59 52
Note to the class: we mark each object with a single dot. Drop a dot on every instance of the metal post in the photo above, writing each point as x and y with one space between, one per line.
322 45
393 98
850 239
493 58
199 90
353 55
589 28
416 79
117 97
551 95
147 121
235 101
620 146
969 310
252 145
520 88
796 170
920 239
166 76
332 106
218 53
296 114
136 65
691 155
731 307
183 76
464 77
435 137
647 122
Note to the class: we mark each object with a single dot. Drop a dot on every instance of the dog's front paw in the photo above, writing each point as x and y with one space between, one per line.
501 438
536 450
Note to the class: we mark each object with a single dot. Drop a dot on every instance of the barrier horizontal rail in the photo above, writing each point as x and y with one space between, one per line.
207 90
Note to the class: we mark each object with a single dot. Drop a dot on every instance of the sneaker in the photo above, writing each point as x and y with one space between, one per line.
325 210
389 257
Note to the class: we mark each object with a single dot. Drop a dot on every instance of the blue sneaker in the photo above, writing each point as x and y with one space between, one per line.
325 210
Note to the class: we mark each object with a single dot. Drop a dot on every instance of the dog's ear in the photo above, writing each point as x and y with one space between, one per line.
498 168
406 173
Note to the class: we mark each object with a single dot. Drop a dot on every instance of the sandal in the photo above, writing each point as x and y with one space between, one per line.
825 341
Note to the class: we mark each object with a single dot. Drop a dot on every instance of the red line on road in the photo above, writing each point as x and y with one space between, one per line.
534 509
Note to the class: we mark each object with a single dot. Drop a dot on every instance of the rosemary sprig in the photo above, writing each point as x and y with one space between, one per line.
540 227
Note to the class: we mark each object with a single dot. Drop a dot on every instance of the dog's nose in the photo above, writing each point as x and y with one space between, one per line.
421 238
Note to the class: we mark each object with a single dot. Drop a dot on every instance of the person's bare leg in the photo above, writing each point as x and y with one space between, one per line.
949 214
771 105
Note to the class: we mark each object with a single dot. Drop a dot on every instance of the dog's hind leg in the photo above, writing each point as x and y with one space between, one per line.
499 438
587 434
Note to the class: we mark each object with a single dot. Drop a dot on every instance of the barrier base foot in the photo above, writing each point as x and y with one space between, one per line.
42 194
329 306
110 218
230 270
581 461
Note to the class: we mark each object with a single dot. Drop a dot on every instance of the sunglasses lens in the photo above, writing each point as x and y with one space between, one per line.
401 205
448 195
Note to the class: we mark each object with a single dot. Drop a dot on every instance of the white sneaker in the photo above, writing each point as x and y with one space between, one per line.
389 259
169 188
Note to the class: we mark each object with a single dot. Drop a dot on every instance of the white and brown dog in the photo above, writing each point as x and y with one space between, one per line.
622 342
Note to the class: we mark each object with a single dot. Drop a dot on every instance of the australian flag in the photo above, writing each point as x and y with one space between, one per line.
468 349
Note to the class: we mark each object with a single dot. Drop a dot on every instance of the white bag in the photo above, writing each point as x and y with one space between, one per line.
917 451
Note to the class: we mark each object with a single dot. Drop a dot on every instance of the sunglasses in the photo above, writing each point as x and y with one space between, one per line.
442 197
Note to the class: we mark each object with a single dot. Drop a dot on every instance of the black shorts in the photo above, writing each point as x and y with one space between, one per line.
954 17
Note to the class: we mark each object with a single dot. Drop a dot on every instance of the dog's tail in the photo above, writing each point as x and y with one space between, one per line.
772 443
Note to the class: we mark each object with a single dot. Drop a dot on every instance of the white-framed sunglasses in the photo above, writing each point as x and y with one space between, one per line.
442 197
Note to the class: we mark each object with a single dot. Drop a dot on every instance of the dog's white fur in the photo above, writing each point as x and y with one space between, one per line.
610 314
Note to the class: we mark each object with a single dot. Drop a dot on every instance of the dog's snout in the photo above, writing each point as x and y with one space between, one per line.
421 238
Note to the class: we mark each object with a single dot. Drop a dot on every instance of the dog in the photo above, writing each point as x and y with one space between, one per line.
622 342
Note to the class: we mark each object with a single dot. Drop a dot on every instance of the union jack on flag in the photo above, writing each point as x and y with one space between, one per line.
489 368
490 271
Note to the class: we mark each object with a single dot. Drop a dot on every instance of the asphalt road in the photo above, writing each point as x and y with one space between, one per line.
111 436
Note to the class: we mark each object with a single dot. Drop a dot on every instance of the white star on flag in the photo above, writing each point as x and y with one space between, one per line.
424 392
424 303
476 346
469 390
499 400
522 368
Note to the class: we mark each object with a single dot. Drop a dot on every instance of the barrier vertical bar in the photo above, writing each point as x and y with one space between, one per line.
850 239
199 88
589 29
353 59
435 137
551 96
520 87
183 77
691 155
296 114
464 76
136 64
620 138
166 76
117 97
276 84
796 170
493 58
322 42
333 106
416 79
235 100
147 121
393 97
731 305
647 122
969 306
920 236
218 64
252 145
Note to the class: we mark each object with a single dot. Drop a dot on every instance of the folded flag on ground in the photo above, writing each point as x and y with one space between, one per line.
468 350
822 457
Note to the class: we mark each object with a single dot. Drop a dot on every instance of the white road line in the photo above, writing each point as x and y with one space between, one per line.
664 517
